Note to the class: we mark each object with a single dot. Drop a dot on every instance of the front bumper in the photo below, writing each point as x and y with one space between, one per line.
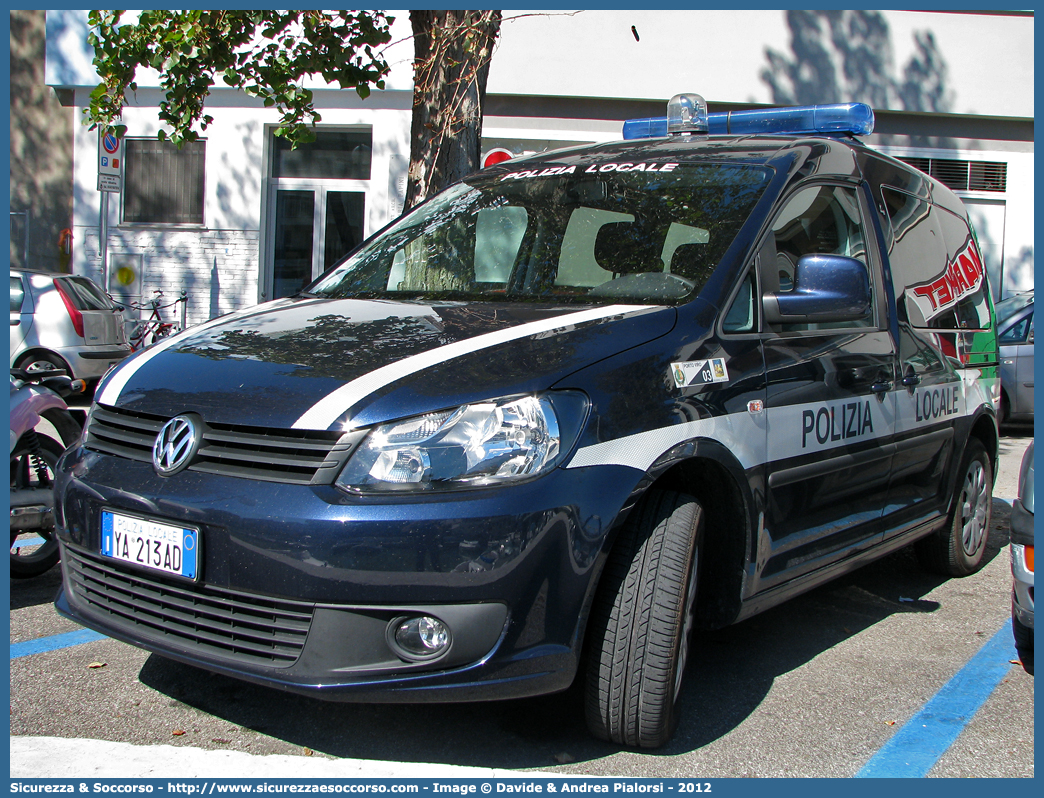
299 584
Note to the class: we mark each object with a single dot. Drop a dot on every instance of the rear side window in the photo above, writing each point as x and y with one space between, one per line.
1018 333
85 294
966 274
937 271
17 294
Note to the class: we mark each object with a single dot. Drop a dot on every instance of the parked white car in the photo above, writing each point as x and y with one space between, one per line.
64 321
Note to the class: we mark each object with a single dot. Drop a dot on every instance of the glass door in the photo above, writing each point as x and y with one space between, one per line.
343 226
294 242
316 206
311 229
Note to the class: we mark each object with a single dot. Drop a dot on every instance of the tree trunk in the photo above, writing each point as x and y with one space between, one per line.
451 62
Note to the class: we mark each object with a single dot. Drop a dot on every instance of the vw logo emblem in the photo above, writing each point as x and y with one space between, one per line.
176 444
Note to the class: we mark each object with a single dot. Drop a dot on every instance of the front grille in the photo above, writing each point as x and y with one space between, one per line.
234 626
288 455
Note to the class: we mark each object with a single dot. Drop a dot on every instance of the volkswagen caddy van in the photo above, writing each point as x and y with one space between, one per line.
553 423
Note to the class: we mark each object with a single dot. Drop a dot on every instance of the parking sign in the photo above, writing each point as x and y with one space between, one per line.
110 161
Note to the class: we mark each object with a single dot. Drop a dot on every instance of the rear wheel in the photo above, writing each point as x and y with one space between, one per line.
641 622
42 361
959 548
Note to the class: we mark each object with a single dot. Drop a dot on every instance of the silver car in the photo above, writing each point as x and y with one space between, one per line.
64 321
1015 336
1022 563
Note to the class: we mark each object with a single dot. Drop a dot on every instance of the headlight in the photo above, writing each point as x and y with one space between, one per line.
485 443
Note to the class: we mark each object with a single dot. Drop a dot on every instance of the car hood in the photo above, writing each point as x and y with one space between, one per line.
318 363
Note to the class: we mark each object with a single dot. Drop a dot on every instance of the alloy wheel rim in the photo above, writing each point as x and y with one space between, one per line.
973 509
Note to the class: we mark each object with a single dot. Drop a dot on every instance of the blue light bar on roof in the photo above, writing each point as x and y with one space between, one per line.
855 119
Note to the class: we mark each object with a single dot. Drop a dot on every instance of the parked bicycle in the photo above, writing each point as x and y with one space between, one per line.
147 332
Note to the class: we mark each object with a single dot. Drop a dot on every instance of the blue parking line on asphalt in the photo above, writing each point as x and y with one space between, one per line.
923 739
42 644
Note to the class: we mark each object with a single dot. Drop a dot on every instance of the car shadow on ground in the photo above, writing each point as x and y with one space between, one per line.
731 672
1016 429
35 591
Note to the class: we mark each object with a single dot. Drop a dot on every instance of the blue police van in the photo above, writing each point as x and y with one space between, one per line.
553 423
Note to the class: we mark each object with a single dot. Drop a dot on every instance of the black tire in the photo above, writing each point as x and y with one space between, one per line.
1023 643
1004 410
641 621
29 561
67 427
959 548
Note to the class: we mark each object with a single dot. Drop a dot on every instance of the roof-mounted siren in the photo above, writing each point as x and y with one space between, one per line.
840 119
686 114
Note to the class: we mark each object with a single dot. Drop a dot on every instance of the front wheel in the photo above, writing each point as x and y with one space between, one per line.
34 551
641 622
959 548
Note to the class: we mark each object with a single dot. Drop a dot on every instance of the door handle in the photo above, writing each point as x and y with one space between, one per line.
911 380
881 387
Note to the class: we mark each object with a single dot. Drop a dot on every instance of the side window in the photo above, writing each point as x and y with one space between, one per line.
1018 333
821 220
965 274
17 294
937 271
740 318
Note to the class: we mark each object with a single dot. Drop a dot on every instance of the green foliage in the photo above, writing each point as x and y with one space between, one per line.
267 54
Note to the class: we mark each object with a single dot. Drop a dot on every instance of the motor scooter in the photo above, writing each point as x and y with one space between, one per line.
37 396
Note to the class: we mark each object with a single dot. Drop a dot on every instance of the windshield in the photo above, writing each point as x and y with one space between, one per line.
653 233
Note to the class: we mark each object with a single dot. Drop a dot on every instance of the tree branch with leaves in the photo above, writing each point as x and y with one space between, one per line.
267 54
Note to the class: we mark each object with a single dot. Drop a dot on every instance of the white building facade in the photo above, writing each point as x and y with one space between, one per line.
239 218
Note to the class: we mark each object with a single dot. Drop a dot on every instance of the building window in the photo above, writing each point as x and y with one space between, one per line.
162 184
335 154
964 175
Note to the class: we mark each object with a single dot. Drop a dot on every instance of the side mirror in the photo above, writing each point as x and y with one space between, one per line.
827 288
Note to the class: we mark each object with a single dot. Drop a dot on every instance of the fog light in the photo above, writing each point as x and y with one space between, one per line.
422 637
